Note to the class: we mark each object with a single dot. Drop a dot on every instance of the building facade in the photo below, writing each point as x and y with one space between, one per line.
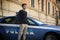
43 10
58 11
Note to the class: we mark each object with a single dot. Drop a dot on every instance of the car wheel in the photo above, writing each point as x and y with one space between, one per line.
51 37
0 37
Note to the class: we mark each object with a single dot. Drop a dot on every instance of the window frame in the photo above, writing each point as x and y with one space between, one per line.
35 24
53 11
5 19
48 8
42 4
32 4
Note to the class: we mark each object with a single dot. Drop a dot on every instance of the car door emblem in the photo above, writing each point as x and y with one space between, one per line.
30 33
7 31
15 32
12 32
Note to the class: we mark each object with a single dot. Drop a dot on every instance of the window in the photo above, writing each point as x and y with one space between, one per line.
32 3
58 0
9 20
42 2
48 7
30 22
53 10
59 14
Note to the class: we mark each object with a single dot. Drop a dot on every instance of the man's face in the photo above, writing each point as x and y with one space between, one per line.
24 7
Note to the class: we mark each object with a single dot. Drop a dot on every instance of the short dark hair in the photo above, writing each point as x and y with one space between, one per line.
24 4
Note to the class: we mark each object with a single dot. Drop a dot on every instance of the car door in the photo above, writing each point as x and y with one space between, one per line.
33 30
11 29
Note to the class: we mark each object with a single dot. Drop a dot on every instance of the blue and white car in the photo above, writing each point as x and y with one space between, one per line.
36 30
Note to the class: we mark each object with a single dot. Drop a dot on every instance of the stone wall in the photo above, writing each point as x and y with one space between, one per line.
10 9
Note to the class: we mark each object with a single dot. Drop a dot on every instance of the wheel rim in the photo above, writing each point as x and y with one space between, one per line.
51 37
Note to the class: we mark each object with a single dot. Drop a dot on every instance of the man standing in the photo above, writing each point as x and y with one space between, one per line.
22 20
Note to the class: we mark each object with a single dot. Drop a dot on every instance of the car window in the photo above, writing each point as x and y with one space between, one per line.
39 22
11 20
8 20
30 22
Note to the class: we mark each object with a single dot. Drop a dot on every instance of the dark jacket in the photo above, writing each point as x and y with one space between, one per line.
21 17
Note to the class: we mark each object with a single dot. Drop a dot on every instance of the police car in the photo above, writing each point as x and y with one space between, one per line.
36 30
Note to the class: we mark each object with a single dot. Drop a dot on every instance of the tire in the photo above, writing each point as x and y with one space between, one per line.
0 37
51 37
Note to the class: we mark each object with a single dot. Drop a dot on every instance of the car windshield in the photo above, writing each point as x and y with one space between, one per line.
38 21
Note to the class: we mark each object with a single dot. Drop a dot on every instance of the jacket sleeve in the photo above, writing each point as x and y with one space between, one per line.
19 16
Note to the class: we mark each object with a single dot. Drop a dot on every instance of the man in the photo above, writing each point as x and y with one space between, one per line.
22 20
